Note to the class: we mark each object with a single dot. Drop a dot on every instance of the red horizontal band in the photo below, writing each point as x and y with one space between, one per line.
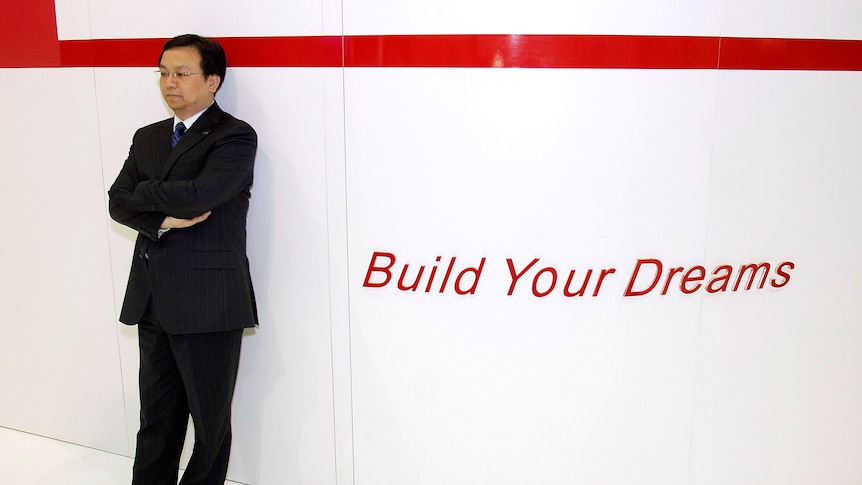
323 51
488 51
791 54
241 52
533 51
110 52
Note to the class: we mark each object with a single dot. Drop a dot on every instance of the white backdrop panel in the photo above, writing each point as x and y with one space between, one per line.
60 375
285 392
778 376
109 19
582 169
73 19
283 426
670 17
339 303
829 19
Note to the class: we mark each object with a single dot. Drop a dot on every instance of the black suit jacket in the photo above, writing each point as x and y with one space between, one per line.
198 277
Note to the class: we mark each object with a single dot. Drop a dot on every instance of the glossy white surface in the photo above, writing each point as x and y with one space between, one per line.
28 459
835 19
670 17
830 19
778 372
104 19
60 374
582 169
284 401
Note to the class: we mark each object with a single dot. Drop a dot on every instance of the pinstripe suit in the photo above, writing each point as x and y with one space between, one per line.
190 290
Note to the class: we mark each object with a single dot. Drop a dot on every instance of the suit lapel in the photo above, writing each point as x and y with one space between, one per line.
199 130
162 148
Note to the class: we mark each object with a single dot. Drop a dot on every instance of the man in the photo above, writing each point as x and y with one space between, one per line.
185 188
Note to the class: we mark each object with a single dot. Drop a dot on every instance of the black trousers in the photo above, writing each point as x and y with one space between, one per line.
182 375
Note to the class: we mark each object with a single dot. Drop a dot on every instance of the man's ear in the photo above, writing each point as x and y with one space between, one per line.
213 82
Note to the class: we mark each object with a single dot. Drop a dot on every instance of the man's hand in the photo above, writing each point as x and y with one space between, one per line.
174 223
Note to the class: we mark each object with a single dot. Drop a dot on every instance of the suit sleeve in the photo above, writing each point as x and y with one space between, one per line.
121 206
226 172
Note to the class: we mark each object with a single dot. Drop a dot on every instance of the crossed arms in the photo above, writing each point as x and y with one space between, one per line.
139 201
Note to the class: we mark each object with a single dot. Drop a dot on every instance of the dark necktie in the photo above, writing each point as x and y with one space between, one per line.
178 133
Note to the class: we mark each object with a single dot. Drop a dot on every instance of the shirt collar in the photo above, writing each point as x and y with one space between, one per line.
188 122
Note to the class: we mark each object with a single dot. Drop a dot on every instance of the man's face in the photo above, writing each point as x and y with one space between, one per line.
186 95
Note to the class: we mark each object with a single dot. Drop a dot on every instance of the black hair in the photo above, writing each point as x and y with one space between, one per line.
212 54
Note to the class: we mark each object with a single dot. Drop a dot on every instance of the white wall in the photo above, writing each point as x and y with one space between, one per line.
60 374
582 168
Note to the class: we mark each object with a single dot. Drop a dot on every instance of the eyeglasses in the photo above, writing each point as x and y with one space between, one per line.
164 75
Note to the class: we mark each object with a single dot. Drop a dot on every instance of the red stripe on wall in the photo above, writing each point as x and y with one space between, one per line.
533 51
476 51
323 51
111 52
241 52
791 54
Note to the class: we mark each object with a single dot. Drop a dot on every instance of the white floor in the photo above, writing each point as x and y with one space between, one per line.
27 459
